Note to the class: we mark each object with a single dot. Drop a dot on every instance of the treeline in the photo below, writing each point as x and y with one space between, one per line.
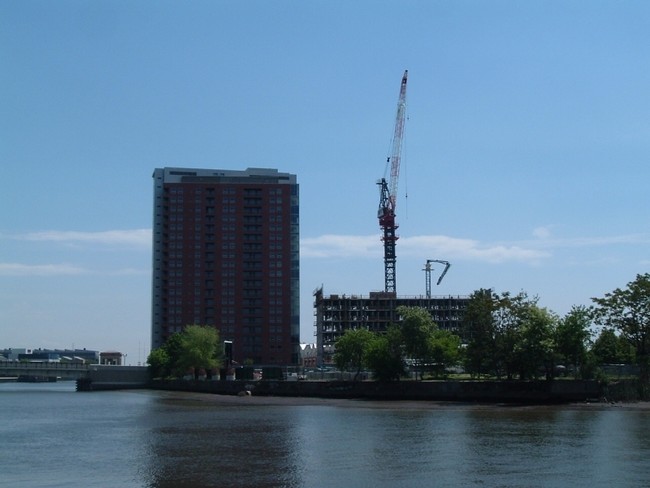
416 342
507 336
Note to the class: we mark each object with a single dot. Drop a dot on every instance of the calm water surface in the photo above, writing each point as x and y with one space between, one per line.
51 436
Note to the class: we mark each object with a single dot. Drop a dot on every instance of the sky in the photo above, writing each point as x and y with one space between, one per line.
525 158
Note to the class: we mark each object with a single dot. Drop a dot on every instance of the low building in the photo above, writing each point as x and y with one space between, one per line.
84 355
111 358
12 353
41 356
335 314
308 355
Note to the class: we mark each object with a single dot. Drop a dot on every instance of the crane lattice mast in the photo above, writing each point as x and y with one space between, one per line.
388 193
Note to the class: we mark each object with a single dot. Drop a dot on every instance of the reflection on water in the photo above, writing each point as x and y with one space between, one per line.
204 445
372 444
53 436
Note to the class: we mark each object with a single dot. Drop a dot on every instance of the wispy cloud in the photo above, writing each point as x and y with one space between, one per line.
470 249
17 269
532 251
140 238
546 242
542 232
340 246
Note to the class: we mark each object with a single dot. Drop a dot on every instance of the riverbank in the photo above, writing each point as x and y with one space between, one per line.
271 401
532 392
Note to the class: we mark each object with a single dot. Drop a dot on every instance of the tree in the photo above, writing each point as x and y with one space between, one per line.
572 336
417 329
508 315
479 332
628 311
535 346
195 347
444 349
174 347
163 361
384 356
200 349
609 348
158 361
508 335
351 349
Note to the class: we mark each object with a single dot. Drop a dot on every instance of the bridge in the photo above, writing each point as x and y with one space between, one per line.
88 376
62 371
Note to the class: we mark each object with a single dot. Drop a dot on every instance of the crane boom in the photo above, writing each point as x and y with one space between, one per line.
388 192
442 275
398 136
427 273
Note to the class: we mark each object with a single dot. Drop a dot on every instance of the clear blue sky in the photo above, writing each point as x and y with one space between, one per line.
525 159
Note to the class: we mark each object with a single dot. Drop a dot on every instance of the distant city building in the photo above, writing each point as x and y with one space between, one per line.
12 353
308 355
336 314
41 356
226 254
51 355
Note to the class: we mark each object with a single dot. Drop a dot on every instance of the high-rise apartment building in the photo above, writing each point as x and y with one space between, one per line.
226 254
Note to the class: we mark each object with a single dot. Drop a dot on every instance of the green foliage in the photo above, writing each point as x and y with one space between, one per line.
444 350
200 348
572 338
384 355
174 348
508 315
609 348
417 329
196 347
426 346
589 369
628 312
479 333
158 361
509 335
535 346
351 350
416 338
162 361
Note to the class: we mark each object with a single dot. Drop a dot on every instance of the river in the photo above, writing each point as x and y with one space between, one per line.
52 436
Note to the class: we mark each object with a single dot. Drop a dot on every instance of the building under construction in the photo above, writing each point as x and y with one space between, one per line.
338 313
335 314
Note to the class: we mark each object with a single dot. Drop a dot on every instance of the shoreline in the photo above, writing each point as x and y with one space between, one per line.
271 401
534 392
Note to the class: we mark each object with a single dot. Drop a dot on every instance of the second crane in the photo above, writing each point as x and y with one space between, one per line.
388 193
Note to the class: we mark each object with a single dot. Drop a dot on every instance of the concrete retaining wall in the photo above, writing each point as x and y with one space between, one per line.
122 377
103 377
462 391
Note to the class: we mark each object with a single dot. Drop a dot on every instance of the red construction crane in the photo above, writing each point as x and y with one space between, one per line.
388 193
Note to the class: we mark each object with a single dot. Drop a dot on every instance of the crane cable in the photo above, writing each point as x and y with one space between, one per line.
405 166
